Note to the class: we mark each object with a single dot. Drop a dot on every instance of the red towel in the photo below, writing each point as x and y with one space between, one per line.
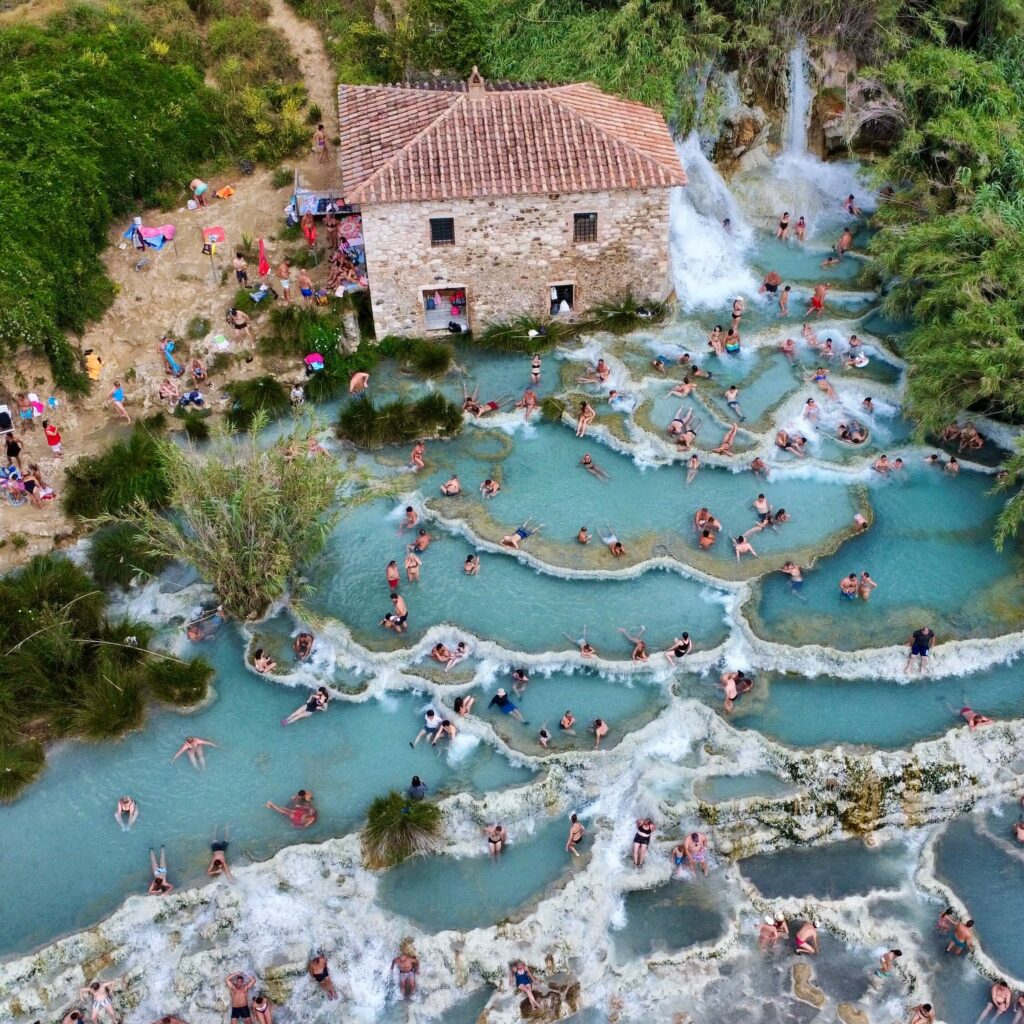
264 265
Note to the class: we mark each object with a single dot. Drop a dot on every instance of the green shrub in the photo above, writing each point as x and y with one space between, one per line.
21 763
514 335
182 683
425 356
620 316
109 705
117 555
220 362
198 327
283 177
194 423
247 516
314 114
397 828
250 398
432 358
399 421
126 472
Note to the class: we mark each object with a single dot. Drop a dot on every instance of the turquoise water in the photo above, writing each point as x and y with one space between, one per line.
720 788
351 572
441 893
670 917
346 757
842 869
931 553
622 703
872 712
984 865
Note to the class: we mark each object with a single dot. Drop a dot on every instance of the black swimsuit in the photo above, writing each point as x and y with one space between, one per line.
643 835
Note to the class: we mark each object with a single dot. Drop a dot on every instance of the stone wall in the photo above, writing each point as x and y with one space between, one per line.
508 252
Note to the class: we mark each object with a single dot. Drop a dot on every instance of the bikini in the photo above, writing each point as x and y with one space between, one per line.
643 835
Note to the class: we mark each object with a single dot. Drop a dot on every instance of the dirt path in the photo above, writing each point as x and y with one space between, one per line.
308 47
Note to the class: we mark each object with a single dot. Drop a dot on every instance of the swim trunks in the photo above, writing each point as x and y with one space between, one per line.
847 597
920 651
240 1012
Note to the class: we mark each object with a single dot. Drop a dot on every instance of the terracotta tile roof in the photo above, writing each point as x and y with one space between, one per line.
401 143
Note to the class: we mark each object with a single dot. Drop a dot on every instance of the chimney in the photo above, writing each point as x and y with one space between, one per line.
476 85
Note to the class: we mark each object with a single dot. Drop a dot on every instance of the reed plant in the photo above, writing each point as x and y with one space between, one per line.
246 516
399 421
397 828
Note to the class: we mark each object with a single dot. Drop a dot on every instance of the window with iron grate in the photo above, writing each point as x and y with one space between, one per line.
442 231
584 227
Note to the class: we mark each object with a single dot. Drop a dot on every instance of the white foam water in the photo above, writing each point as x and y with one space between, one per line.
708 259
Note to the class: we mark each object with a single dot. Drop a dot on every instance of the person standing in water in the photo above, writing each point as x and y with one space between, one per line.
408 966
576 833
887 962
962 939
696 848
783 229
496 837
319 972
865 586
999 999
642 840
535 370
817 303
920 644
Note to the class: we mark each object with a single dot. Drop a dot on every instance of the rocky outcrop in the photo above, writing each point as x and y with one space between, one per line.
803 989
742 140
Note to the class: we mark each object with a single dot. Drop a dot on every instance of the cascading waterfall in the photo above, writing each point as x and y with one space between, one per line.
794 139
708 267
798 181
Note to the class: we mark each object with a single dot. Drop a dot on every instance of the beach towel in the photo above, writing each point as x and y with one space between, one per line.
225 193
264 264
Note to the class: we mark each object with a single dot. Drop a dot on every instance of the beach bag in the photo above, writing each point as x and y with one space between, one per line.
431 304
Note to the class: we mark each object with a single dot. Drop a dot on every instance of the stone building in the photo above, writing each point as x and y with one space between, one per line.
482 201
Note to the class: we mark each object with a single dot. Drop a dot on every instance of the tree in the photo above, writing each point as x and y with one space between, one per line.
245 516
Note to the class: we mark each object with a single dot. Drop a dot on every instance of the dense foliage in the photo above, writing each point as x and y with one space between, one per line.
655 51
246 517
117 555
951 246
399 421
127 471
67 670
397 827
